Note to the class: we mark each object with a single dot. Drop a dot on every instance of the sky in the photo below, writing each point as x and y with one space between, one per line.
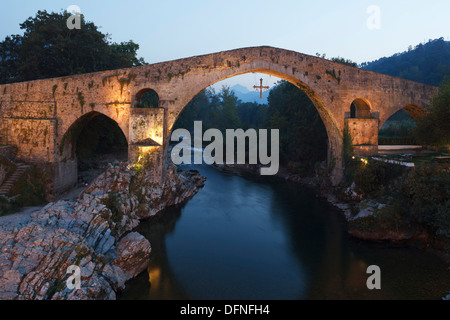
360 30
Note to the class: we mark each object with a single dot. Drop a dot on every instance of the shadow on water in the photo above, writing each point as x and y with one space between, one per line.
258 238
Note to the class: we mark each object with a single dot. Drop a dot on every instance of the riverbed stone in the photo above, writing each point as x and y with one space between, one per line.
92 232
133 254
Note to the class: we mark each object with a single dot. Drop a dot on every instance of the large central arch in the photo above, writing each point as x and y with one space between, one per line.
335 137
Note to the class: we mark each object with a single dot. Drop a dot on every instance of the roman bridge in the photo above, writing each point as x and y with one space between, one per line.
39 117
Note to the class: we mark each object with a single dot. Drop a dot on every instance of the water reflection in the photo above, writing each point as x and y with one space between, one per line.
158 282
256 238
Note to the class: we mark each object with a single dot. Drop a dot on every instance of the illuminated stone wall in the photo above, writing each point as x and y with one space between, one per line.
35 116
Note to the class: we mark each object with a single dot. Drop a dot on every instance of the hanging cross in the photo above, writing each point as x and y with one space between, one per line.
261 88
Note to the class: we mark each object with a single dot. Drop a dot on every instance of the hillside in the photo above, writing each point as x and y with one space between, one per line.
426 63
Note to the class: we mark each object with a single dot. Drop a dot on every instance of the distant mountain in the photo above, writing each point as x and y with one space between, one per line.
246 95
239 89
427 63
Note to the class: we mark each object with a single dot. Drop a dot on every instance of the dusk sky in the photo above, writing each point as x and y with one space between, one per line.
172 29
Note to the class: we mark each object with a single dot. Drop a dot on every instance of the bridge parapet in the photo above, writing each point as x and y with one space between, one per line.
36 116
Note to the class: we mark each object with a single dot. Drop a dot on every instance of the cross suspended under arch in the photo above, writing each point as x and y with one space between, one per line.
261 88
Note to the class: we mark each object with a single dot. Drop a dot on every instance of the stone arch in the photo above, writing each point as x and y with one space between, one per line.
67 147
146 98
67 170
335 136
415 111
360 109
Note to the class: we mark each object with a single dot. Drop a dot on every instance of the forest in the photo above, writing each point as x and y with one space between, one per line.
427 63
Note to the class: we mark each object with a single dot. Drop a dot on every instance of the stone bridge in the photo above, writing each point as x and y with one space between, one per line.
39 116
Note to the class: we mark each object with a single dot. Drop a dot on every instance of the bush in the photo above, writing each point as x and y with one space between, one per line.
6 206
29 189
425 196
375 176
420 201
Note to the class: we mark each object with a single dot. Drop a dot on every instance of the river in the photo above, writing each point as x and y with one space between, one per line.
252 238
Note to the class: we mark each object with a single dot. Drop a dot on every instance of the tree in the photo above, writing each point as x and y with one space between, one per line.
303 137
9 57
197 110
434 129
252 115
49 49
229 103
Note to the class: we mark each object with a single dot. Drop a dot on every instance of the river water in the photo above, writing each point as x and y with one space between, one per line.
260 238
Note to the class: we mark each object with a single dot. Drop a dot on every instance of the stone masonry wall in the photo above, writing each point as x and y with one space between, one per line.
363 131
30 111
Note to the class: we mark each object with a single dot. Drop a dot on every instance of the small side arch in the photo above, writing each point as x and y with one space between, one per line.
91 141
360 109
416 112
146 98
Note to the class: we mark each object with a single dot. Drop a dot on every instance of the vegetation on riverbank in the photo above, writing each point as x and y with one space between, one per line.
416 202
28 191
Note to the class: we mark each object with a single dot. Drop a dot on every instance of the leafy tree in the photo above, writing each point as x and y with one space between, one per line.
9 57
303 137
49 49
434 129
124 55
252 115
229 102
193 112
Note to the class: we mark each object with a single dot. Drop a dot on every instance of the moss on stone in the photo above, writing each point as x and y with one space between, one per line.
113 202
332 73
126 81
81 100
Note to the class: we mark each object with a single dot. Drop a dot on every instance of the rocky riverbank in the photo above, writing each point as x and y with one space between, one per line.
93 232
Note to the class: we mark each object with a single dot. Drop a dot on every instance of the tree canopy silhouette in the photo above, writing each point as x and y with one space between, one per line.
48 48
